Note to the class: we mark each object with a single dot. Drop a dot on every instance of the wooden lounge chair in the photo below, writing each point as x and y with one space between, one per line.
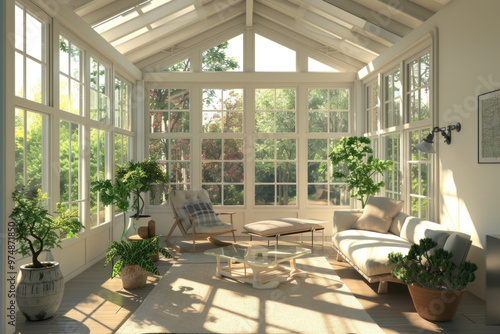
203 225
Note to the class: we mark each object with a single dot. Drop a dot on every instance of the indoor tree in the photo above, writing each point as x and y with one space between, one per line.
353 161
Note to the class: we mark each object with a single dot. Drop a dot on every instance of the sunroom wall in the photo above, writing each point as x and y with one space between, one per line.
466 67
82 252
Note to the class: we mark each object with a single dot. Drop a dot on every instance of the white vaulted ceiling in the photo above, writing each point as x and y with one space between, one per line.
345 34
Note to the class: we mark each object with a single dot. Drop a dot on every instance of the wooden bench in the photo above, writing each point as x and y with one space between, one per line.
285 226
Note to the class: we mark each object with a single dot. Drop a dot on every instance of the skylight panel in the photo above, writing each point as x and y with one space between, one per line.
273 57
317 66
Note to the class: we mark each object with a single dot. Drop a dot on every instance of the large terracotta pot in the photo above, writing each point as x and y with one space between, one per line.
133 277
435 305
39 291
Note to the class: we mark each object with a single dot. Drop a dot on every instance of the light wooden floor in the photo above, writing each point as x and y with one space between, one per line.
94 303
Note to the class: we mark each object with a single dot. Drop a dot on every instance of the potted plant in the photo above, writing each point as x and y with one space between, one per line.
135 260
435 282
40 286
135 257
144 182
353 160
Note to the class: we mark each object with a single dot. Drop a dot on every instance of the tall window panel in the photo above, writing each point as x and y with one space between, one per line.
275 110
392 98
392 145
70 166
222 110
31 150
99 91
174 156
31 60
223 170
328 110
276 172
122 104
123 149
372 107
169 110
70 77
322 189
98 167
420 168
418 89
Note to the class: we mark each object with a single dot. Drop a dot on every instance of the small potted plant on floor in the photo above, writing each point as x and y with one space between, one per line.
435 282
40 287
135 260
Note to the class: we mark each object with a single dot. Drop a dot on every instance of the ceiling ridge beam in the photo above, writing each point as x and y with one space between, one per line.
410 8
316 34
142 20
175 25
249 13
109 11
377 20
328 26
169 40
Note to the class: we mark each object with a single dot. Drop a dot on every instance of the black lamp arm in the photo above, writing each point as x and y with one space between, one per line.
446 131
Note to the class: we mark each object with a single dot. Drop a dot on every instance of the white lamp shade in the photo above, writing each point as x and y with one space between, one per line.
426 147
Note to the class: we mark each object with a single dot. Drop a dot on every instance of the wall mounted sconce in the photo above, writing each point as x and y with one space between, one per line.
427 144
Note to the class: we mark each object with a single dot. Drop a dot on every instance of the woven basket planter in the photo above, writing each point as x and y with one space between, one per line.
133 277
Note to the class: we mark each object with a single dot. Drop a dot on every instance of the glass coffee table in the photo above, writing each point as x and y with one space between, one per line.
264 270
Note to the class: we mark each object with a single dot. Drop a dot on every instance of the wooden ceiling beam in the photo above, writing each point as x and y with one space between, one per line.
170 39
107 12
377 20
410 8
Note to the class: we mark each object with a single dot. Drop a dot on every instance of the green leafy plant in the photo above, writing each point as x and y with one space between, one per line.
137 252
432 269
140 182
36 229
118 193
353 161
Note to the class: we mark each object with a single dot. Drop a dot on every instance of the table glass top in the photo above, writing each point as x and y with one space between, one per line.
259 255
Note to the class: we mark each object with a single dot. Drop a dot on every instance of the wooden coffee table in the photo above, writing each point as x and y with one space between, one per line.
265 271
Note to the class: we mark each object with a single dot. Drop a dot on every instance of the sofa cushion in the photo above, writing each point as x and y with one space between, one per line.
368 250
378 214
397 223
415 229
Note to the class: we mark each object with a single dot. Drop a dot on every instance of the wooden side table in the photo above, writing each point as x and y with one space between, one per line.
137 237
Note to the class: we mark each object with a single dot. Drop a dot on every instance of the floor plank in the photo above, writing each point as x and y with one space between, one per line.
95 303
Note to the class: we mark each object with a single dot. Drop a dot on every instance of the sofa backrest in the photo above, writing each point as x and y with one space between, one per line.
457 243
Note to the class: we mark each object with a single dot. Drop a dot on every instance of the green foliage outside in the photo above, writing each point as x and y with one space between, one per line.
137 252
431 268
353 161
35 229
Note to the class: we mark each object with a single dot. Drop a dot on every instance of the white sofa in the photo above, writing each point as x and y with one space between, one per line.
367 250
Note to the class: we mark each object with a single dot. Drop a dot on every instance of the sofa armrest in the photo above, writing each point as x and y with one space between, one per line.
344 219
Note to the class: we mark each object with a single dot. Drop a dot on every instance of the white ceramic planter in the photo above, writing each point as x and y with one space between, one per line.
39 291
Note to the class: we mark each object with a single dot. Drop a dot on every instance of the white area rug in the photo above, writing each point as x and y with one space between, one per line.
190 299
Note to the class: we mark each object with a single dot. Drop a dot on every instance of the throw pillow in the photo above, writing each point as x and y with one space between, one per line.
204 213
185 222
378 214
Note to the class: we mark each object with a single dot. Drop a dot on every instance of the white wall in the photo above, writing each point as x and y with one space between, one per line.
468 63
